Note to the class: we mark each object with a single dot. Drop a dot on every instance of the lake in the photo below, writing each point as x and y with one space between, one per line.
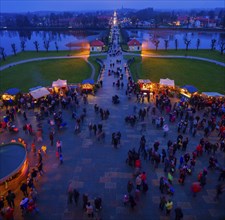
147 36
78 38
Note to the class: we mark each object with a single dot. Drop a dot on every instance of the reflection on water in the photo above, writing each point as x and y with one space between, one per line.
63 38
148 37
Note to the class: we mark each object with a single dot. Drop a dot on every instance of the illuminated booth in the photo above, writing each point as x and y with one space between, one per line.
60 86
145 85
87 86
10 95
188 91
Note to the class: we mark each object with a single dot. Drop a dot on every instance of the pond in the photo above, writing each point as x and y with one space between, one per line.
147 37
78 39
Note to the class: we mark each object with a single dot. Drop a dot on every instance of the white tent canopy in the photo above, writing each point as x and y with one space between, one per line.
167 82
40 92
212 94
59 83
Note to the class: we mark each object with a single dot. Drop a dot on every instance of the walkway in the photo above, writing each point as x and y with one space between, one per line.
178 57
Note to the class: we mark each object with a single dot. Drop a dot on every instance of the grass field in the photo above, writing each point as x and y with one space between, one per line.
33 54
215 55
205 76
28 75
96 64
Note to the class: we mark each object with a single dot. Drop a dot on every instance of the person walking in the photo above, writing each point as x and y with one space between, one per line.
165 130
51 137
219 190
59 146
76 196
85 200
10 198
138 182
130 187
70 193
90 210
40 168
178 213
61 158
23 188
169 206
162 202
24 116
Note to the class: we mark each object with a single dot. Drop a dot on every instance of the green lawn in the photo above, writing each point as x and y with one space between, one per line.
33 54
215 55
28 75
205 76
96 64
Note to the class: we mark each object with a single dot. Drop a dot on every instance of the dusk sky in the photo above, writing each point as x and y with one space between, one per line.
74 5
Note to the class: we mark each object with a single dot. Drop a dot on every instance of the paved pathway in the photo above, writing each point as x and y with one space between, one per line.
178 57
98 169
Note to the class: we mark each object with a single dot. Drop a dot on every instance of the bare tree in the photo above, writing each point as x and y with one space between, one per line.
176 44
198 43
56 47
46 45
36 44
222 47
213 44
2 52
187 43
14 48
166 44
156 43
22 45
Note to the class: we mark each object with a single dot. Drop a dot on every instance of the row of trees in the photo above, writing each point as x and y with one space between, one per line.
155 42
187 44
23 46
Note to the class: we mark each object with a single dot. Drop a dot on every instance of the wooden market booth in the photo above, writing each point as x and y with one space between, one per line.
188 91
60 86
145 85
87 86
10 95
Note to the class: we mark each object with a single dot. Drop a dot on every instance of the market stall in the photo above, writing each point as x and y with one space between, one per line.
212 95
9 95
144 85
39 92
188 91
167 82
87 85
60 86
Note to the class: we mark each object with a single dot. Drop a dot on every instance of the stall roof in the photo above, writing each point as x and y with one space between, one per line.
59 83
88 81
213 94
167 82
34 88
190 88
144 81
40 92
12 91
